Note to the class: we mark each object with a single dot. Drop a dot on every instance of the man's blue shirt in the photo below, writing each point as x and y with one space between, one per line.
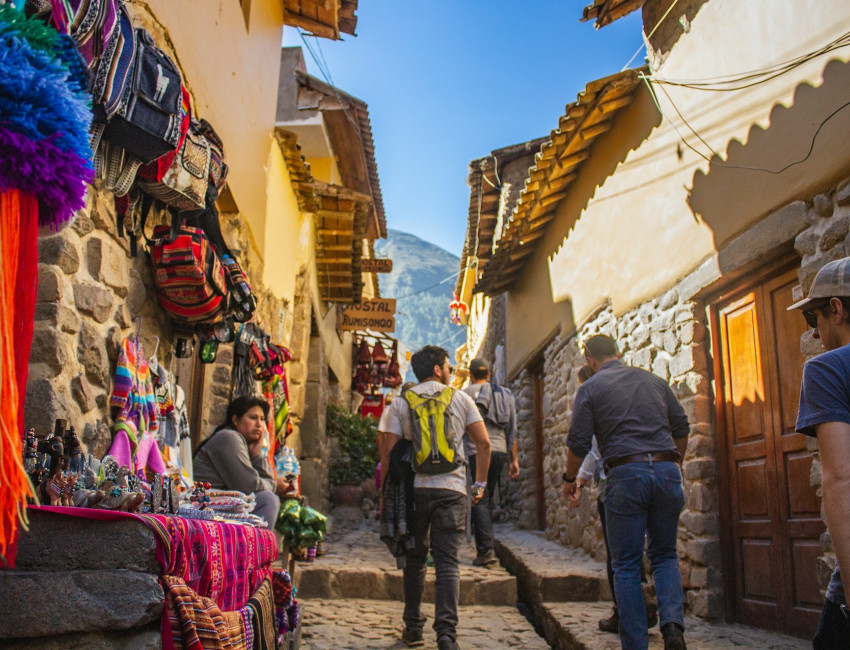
630 410
825 397
825 391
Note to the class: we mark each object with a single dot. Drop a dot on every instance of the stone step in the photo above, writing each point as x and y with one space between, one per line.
549 572
343 624
573 626
477 587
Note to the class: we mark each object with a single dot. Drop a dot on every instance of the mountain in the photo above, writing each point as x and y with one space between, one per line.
423 278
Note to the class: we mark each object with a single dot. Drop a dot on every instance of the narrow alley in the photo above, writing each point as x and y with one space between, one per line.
351 598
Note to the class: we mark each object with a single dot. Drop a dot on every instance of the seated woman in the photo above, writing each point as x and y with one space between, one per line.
230 458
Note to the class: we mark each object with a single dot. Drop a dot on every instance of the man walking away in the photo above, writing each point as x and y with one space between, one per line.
642 433
825 413
591 469
498 408
434 417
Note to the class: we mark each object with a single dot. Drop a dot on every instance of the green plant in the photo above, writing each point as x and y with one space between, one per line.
355 453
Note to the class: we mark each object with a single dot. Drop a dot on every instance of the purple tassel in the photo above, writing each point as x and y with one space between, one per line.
57 178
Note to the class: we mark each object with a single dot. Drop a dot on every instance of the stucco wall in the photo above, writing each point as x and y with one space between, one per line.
232 74
661 210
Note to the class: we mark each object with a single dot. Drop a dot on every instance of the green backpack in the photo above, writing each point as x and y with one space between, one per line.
435 440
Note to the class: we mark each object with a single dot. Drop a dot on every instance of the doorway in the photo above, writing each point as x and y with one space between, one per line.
770 514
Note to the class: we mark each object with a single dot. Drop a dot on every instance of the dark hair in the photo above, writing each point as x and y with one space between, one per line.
600 347
424 360
240 406
584 373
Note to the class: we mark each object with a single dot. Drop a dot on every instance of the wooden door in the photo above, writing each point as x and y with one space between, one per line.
770 514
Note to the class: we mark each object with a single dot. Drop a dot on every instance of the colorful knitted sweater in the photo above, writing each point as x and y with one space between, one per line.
133 396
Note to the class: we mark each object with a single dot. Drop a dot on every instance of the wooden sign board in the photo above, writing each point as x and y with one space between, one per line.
381 265
377 315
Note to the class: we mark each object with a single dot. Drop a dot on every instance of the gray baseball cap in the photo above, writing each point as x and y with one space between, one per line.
832 280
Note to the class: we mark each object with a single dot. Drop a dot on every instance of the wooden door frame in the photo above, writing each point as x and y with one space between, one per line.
728 291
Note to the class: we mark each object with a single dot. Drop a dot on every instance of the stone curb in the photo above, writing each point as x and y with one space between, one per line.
376 584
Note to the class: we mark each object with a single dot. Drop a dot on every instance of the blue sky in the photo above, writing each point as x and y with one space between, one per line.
448 81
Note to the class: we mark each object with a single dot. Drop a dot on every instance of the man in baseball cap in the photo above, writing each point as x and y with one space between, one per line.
498 408
825 413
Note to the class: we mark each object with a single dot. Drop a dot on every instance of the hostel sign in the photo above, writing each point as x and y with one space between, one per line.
377 265
377 315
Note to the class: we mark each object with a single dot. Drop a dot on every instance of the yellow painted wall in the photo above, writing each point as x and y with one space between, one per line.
653 216
324 169
232 73
283 222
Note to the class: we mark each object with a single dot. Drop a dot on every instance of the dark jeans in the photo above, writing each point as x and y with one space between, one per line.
600 506
833 629
482 519
443 514
644 499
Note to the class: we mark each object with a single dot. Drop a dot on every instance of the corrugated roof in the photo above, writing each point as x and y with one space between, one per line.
326 18
347 118
607 11
556 166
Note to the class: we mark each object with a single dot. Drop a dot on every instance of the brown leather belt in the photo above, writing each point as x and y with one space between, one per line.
654 457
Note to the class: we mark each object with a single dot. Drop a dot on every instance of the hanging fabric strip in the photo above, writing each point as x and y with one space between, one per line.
16 209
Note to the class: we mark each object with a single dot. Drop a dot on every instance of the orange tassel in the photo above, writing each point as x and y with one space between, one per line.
17 210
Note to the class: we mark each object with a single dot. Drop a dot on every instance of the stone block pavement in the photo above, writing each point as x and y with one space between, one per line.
351 598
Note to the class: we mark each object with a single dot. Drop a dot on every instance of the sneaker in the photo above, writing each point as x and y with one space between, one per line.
612 623
651 615
674 637
445 643
488 559
412 638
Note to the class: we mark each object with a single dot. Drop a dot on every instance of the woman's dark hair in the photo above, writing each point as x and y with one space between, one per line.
424 360
584 373
240 406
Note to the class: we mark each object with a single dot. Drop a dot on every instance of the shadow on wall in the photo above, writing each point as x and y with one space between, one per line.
802 152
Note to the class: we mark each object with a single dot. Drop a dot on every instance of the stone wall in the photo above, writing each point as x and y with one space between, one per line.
90 291
826 239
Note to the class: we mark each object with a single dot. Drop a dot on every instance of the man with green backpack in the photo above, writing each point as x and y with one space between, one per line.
434 417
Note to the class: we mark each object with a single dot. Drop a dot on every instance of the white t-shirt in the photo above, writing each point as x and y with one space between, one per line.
463 412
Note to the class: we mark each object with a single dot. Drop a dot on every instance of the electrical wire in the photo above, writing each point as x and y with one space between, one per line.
324 70
433 286
646 40
733 82
729 165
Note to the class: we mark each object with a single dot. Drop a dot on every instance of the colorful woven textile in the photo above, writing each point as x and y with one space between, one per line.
225 562
263 620
197 623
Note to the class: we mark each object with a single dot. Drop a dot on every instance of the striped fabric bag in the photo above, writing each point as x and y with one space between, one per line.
188 275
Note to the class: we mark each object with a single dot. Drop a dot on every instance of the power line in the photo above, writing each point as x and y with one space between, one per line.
729 165
433 286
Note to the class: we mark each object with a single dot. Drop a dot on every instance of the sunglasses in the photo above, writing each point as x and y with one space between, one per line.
451 370
811 314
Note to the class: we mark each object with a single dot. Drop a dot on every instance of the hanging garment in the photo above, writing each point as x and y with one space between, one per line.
133 396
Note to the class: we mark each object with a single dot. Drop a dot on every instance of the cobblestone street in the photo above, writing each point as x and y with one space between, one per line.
352 598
